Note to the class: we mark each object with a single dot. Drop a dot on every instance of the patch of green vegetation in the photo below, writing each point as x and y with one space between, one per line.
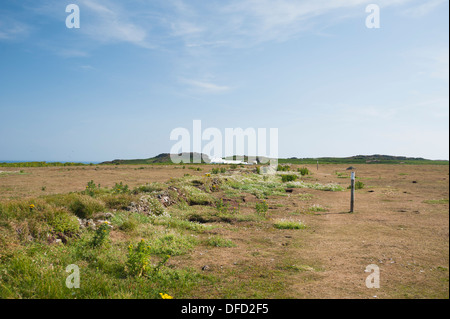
120 188
262 207
84 206
283 168
149 188
288 178
317 186
129 225
341 175
289 224
358 185
176 223
172 244
296 268
317 208
119 201
196 196
218 241
62 222
101 235
221 170
437 201
303 171
305 197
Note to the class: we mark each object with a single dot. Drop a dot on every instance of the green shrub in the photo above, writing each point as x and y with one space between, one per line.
289 178
283 168
120 188
138 259
119 201
303 171
155 206
85 206
129 225
221 206
196 196
358 185
90 188
149 188
62 222
262 207
101 235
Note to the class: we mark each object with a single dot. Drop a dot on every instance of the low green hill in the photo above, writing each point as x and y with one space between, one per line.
359 159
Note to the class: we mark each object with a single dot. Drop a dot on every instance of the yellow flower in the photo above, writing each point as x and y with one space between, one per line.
32 206
165 296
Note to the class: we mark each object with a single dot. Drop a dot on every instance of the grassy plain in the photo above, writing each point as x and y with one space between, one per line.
233 234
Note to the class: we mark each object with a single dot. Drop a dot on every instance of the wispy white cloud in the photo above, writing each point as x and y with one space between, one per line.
109 22
205 86
423 9
87 67
11 29
244 23
183 28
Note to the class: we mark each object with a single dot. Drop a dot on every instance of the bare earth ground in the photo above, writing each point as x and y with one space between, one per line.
394 227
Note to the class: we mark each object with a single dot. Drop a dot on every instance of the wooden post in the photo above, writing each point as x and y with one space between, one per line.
317 165
352 198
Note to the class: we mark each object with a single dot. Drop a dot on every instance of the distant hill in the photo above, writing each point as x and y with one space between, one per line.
163 158
358 159
364 159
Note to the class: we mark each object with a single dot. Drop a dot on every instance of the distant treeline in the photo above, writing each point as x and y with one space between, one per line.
41 164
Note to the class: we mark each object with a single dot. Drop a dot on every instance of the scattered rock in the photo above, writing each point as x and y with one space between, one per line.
103 216
206 267
86 223
61 237
151 205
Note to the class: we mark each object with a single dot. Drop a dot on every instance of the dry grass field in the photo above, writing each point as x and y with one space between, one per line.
400 224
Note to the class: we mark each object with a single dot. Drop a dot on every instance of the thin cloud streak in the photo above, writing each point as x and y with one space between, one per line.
206 87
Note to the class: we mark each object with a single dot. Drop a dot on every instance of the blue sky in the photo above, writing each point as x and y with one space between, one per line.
135 70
